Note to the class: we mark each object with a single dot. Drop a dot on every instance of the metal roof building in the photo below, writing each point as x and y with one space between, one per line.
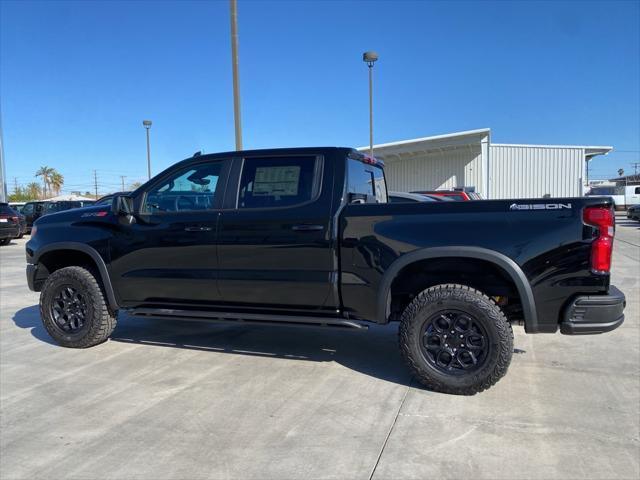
496 170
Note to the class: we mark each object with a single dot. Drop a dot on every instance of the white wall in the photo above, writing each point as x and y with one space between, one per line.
518 171
440 169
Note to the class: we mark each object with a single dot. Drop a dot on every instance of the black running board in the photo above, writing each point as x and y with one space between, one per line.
246 318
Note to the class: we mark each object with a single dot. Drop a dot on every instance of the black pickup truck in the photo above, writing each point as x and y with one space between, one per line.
305 236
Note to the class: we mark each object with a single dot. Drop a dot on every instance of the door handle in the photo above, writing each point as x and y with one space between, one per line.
197 229
307 228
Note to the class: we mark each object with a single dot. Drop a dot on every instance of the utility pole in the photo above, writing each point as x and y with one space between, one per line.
15 184
147 125
233 5
95 182
370 58
635 166
122 177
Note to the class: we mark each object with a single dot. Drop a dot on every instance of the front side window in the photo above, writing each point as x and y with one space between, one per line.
637 190
188 189
270 182
28 209
365 183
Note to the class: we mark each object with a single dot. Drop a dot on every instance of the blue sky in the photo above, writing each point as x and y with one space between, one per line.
77 78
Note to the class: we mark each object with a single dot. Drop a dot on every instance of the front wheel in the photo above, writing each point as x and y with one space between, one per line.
74 310
455 339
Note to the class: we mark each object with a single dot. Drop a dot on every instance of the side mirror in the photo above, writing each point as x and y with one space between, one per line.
122 206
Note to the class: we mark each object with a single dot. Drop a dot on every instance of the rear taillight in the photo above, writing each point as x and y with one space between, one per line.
604 220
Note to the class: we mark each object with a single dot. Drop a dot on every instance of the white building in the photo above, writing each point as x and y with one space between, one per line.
496 170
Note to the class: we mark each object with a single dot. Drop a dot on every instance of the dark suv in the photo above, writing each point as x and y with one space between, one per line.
9 224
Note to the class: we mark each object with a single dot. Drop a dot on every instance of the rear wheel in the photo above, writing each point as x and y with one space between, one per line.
456 339
74 310
5 241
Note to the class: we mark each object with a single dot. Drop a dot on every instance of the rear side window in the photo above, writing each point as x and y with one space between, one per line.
637 190
366 183
271 182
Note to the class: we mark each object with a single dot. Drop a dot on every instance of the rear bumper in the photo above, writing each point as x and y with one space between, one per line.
594 313
9 231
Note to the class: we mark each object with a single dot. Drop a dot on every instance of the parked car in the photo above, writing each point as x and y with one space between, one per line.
17 206
623 195
9 224
459 195
633 212
32 211
59 206
305 236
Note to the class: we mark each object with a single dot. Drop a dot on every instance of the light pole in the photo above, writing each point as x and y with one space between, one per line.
370 58
147 125
236 76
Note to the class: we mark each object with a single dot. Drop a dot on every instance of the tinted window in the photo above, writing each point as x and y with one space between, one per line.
188 189
603 191
270 182
365 183
637 191
28 209
6 209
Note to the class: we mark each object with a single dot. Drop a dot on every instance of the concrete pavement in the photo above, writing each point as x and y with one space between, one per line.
191 400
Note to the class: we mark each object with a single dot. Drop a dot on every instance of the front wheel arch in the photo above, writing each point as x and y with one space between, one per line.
67 254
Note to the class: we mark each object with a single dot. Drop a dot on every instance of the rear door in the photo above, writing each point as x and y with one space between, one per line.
274 241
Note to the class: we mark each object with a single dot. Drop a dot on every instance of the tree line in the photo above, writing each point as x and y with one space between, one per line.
52 182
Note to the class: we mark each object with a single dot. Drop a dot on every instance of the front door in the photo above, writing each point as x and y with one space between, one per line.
168 257
274 244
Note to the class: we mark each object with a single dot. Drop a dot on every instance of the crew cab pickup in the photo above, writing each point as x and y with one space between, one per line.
305 236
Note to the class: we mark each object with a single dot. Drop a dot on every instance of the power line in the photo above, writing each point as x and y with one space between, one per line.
95 181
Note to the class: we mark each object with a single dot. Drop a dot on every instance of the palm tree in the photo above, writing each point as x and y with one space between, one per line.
33 191
56 181
45 173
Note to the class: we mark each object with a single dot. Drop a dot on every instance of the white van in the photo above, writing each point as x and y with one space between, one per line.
631 195
623 196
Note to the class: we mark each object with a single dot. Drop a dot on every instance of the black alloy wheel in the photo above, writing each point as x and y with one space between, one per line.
69 309
454 342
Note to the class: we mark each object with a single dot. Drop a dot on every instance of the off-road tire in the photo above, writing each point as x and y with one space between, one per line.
472 302
99 322
5 241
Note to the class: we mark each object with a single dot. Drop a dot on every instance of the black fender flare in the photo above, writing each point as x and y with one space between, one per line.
500 260
98 260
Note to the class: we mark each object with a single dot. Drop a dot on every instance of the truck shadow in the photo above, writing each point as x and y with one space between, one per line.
29 317
374 352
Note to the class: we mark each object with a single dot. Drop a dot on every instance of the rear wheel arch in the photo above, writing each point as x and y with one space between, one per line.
511 269
66 254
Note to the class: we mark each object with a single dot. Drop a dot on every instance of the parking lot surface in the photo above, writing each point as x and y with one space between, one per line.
166 400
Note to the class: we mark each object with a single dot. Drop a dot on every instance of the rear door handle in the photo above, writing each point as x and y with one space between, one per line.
197 229
307 228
